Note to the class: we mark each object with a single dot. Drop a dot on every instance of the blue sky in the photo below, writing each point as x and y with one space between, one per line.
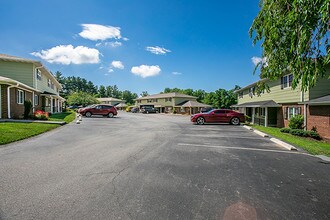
142 45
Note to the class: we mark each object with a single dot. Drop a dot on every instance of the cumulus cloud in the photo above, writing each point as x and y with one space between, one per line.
176 73
99 32
67 54
117 64
157 50
145 70
110 70
257 60
109 44
125 39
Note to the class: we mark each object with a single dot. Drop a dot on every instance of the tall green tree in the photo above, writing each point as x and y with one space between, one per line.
144 93
81 98
102 92
294 36
129 97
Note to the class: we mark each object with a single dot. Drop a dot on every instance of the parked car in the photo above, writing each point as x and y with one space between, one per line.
218 116
206 109
135 110
105 110
147 110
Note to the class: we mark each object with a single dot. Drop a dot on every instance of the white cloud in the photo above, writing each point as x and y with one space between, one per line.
145 70
67 54
158 50
110 70
99 32
176 73
257 60
109 44
117 64
125 39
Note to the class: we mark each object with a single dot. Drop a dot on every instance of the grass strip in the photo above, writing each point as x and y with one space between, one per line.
314 147
15 131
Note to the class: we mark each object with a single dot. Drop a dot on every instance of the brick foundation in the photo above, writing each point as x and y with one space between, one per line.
319 117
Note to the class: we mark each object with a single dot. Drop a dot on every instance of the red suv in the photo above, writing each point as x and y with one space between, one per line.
105 110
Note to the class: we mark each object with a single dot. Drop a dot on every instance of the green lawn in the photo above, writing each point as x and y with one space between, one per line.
11 131
312 146
68 116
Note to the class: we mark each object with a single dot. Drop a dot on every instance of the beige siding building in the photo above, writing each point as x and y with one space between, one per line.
110 101
171 103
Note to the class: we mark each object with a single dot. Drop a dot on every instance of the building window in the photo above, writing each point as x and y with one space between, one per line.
36 100
286 81
49 83
240 95
138 101
168 99
52 85
251 92
20 97
155 100
291 112
38 73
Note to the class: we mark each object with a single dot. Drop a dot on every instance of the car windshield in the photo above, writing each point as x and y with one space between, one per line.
208 112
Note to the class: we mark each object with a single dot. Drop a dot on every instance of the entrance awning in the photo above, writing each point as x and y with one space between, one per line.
262 104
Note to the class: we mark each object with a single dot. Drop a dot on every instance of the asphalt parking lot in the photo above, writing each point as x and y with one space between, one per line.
155 166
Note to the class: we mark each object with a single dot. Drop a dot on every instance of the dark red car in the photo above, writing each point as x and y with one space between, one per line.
218 116
105 110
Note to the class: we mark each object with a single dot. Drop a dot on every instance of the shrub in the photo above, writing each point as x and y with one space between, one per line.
299 132
314 134
41 115
296 122
27 109
285 130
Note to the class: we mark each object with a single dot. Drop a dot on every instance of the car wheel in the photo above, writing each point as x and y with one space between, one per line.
110 115
88 114
235 121
200 120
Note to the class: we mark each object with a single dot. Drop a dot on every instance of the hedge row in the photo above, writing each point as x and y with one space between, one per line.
301 133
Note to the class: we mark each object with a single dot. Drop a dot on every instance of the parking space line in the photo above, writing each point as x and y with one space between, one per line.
241 148
223 136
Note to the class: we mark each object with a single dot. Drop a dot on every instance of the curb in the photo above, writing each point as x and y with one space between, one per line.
283 144
275 140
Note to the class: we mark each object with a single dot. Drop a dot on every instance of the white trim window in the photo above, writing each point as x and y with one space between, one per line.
49 83
286 81
36 100
251 92
291 112
20 97
52 85
38 74
240 95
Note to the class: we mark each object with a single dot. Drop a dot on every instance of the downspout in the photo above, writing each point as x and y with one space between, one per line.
8 98
305 110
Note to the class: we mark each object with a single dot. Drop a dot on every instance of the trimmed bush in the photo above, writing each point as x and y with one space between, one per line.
299 132
27 109
296 122
285 130
314 134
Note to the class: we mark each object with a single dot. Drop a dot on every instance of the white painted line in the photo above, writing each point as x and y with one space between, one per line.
221 136
240 148
283 144
260 133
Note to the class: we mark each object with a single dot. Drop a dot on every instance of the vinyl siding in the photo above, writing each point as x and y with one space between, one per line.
276 94
322 87
22 72
42 84
160 101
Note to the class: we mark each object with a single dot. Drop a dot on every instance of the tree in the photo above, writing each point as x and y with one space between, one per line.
294 36
102 92
144 93
81 98
129 97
